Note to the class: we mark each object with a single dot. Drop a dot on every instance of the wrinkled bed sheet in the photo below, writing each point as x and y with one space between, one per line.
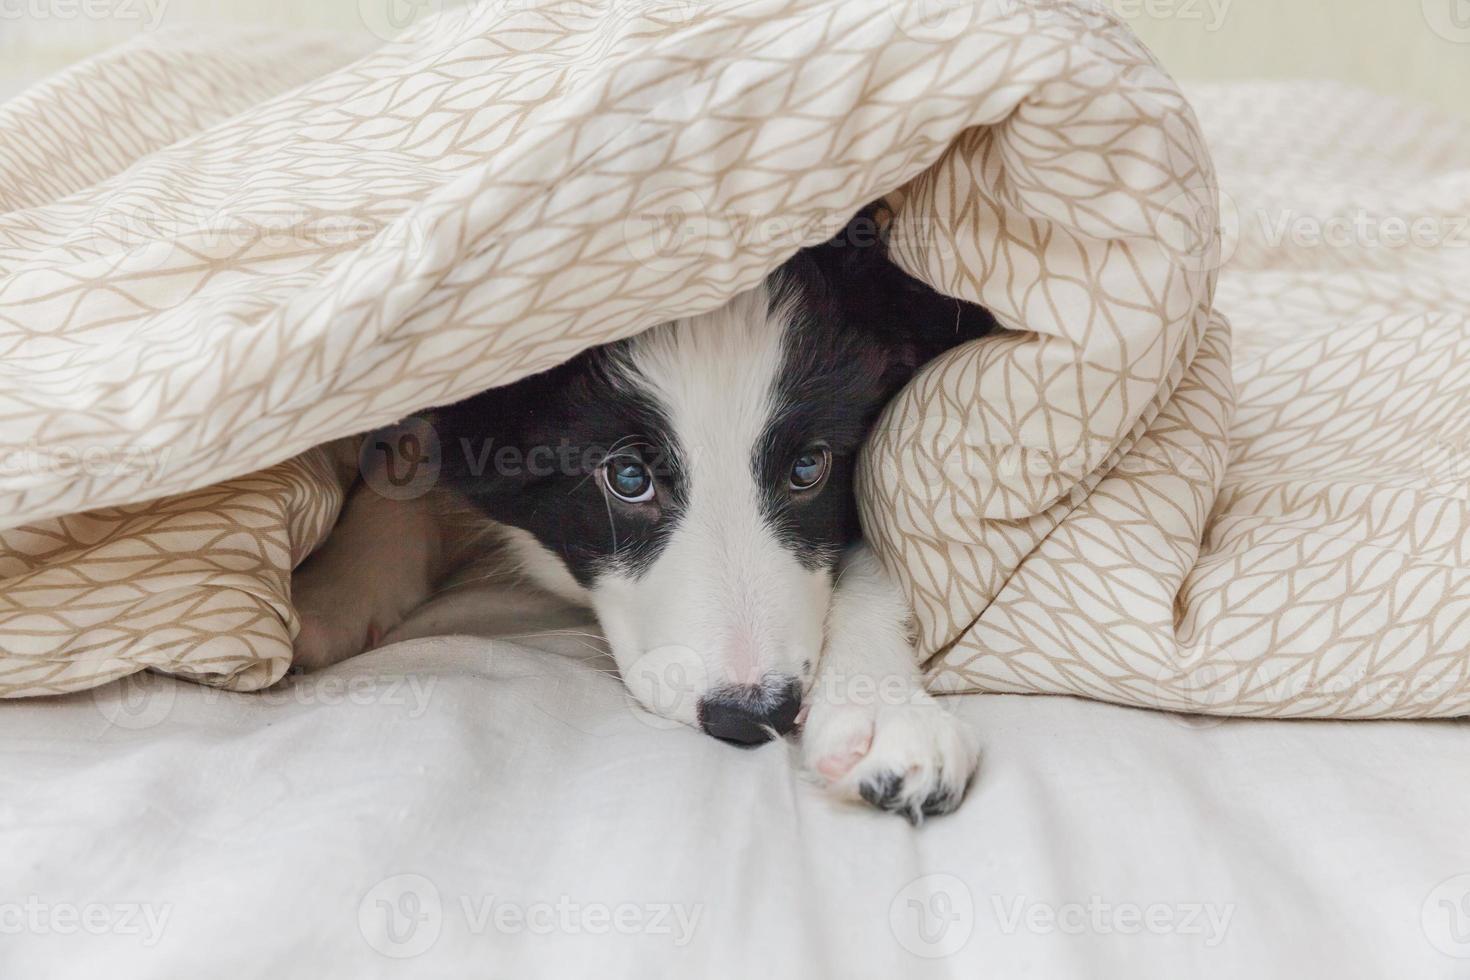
466 806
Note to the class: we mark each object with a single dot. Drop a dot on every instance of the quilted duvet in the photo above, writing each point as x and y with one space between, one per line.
221 257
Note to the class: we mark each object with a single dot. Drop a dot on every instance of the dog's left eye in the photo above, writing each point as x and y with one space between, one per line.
628 479
810 467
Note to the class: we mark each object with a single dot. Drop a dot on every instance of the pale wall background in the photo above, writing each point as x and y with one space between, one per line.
1419 49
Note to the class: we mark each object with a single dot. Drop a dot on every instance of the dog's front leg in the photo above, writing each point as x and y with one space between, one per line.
872 731
380 562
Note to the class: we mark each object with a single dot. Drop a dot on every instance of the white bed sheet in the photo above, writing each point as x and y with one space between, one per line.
465 806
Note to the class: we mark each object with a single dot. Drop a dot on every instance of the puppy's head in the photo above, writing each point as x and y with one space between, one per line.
694 484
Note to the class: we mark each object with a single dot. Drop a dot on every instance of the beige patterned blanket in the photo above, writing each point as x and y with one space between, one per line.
218 254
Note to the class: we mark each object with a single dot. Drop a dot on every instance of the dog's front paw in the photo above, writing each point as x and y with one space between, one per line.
912 758
324 640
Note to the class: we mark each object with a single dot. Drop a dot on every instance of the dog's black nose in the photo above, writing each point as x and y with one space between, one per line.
752 714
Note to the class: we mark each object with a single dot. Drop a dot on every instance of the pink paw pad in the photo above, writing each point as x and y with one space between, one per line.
838 764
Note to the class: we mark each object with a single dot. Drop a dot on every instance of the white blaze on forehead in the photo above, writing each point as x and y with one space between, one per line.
722 583
715 378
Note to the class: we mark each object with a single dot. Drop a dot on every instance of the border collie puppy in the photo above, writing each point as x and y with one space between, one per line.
693 486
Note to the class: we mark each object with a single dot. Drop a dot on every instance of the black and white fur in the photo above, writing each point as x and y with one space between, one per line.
755 585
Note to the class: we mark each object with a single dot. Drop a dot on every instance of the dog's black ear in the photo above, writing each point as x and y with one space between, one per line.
913 322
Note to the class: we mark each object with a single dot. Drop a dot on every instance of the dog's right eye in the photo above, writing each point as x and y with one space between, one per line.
628 480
